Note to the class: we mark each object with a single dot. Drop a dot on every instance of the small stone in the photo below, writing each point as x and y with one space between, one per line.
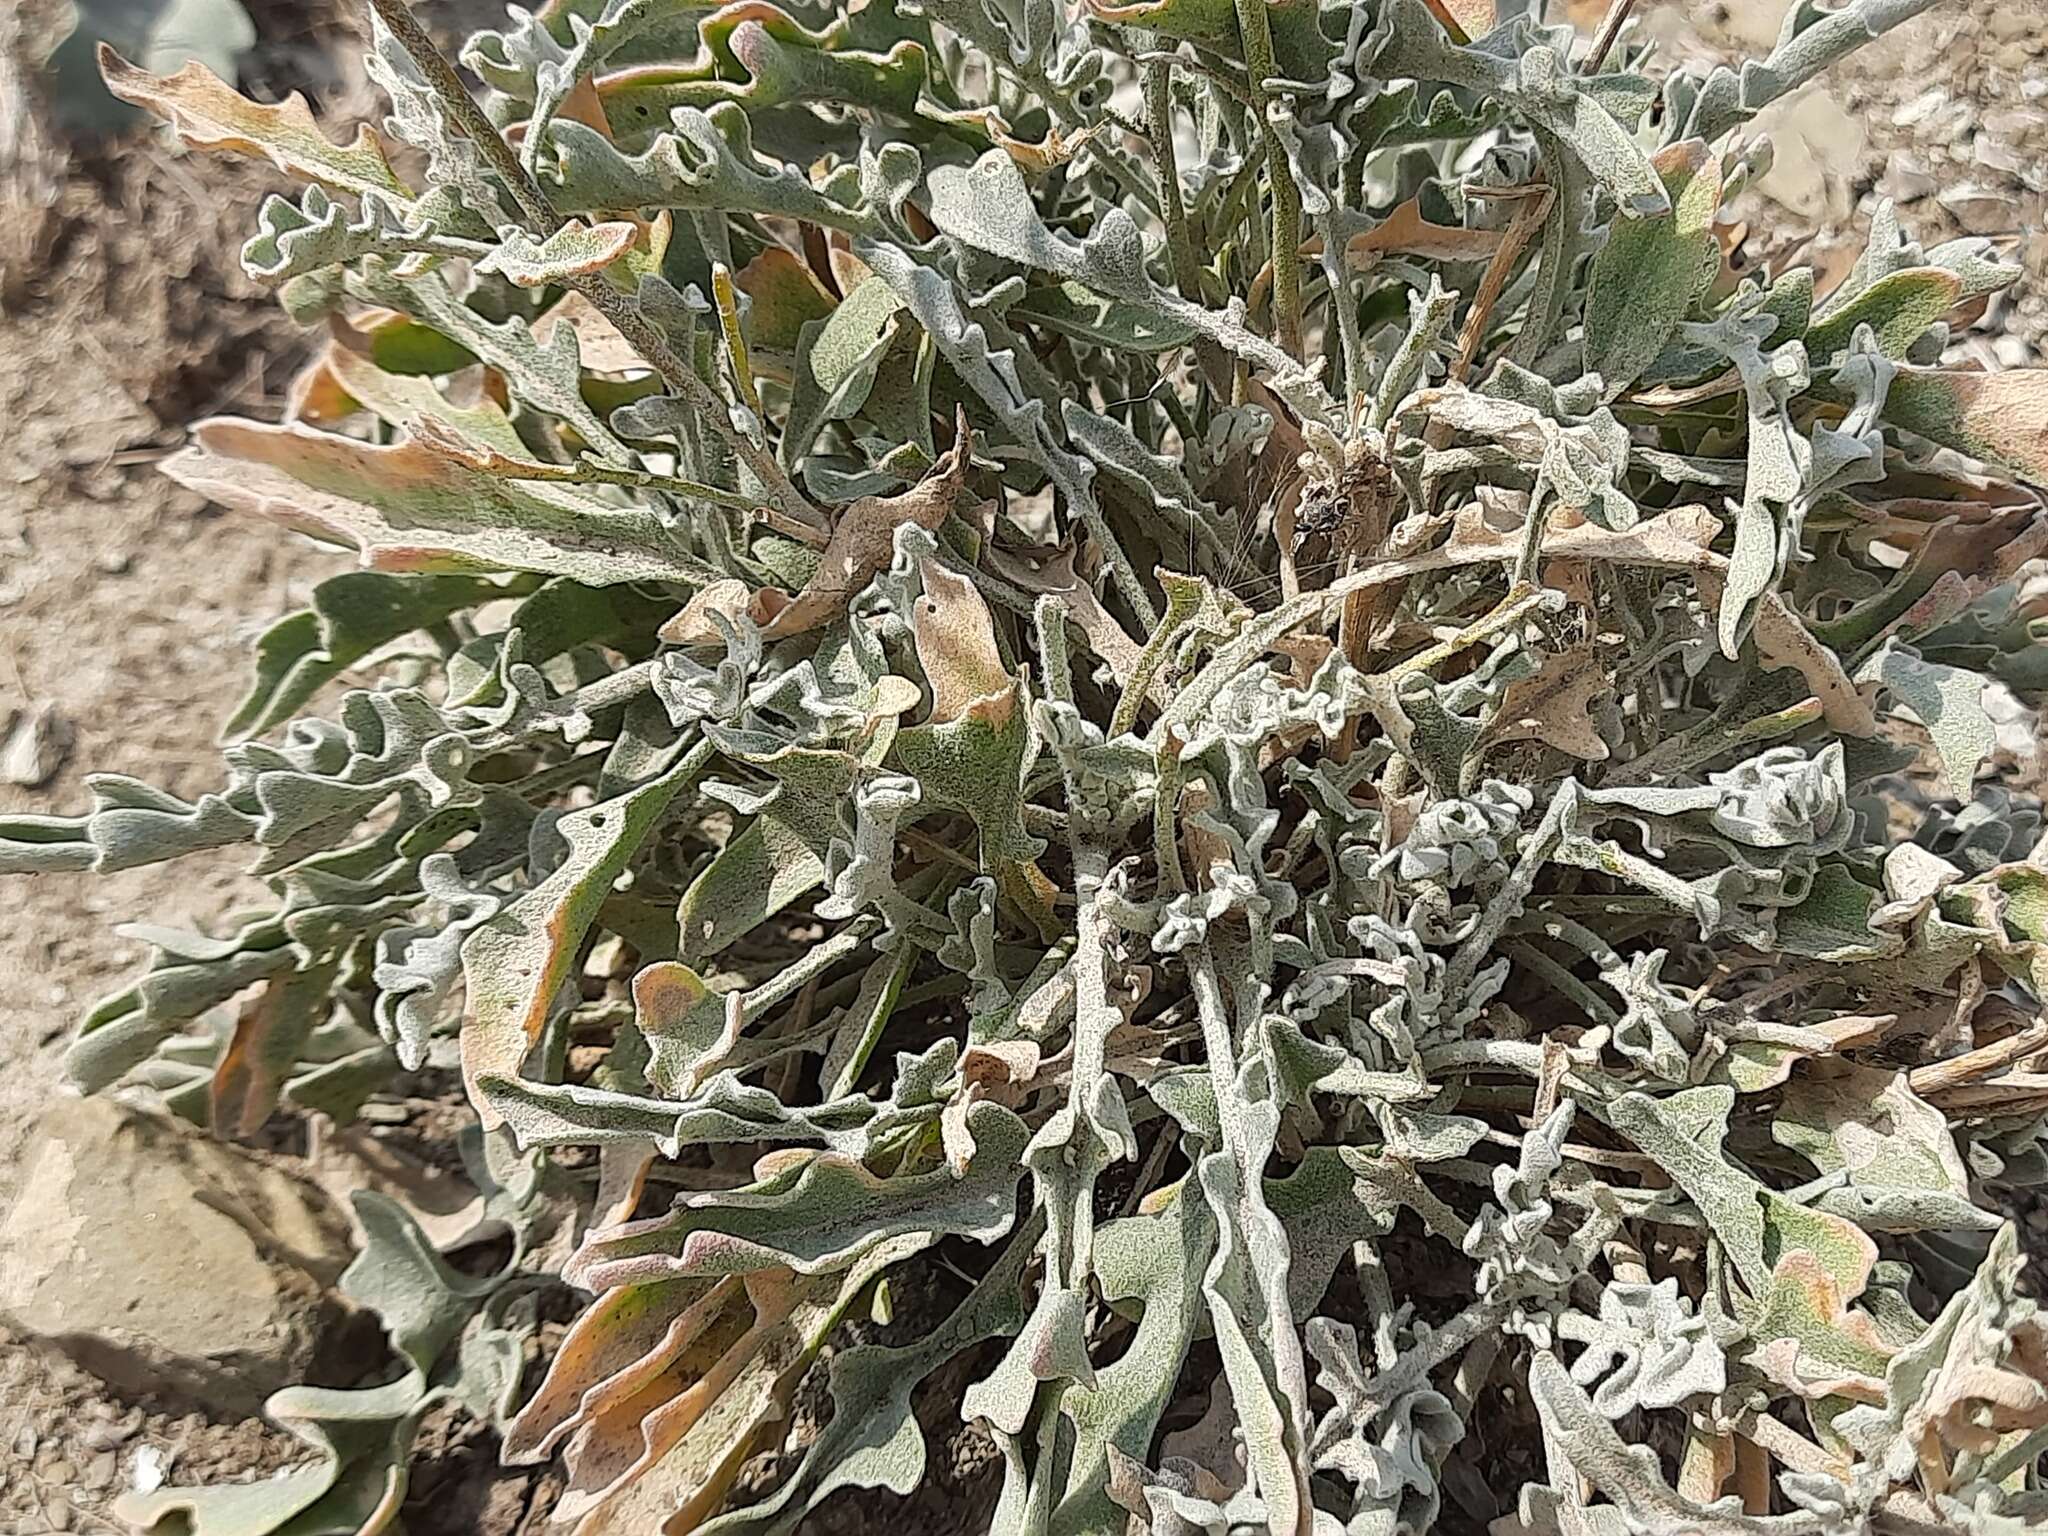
1906 180
107 1433
2014 56
34 746
1997 156
2012 123
2012 351
1921 108
114 562
1817 152
61 1472
149 1469
136 1248
1980 210
101 1471
2011 23
58 1512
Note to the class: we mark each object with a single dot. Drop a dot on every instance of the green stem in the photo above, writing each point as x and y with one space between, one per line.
1187 273
1183 597
1257 36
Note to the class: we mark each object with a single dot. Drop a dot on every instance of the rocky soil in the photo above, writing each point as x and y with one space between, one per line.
127 607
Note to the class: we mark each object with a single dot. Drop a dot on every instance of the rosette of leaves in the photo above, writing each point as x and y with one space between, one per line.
1203 668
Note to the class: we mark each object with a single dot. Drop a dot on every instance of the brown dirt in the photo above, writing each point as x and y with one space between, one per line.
127 605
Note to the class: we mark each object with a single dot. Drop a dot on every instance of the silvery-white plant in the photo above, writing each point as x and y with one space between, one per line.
1211 661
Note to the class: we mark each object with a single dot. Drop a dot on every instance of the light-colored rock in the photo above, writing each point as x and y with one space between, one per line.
33 746
2014 723
1921 109
2014 124
1997 155
2012 352
1980 210
1906 180
1818 150
166 1262
2013 23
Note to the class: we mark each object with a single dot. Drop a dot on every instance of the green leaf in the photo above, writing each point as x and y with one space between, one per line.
2001 418
411 507
1948 701
352 615
819 1213
574 250
1071 310
516 962
1652 270
1898 308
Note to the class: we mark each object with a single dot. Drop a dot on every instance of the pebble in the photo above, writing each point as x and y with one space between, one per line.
58 1513
2013 23
103 1469
2012 351
2012 123
34 746
1980 210
1988 151
110 1435
1921 108
1906 180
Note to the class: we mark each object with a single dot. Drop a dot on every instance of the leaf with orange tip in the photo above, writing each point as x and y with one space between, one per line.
785 295
1464 19
689 1029
660 1444
956 643
627 1333
270 1030
1783 640
2001 418
697 624
1554 706
410 506
1973 1378
207 113
515 963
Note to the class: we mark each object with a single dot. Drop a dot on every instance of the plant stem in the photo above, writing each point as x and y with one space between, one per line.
1610 28
1159 109
625 315
440 74
1257 36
